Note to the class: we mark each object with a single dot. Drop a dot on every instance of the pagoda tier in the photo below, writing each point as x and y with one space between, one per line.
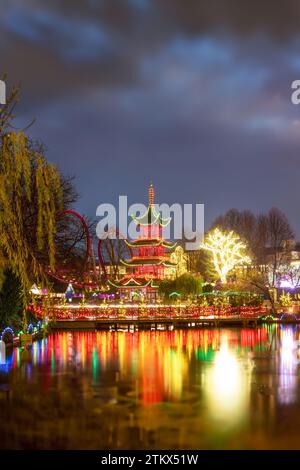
149 267
155 242
132 283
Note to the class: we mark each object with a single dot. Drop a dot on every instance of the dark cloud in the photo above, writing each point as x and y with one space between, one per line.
279 19
194 95
66 45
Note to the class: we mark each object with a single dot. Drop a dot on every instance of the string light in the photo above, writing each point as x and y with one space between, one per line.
6 330
227 251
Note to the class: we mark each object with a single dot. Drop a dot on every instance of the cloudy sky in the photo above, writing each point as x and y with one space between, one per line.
192 95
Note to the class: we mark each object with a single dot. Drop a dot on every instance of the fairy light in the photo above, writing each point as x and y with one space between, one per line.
227 251
7 330
151 195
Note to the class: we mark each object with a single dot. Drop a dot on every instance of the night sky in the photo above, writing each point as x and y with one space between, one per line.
191 95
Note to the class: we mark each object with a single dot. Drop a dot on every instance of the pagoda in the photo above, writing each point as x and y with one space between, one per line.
150 259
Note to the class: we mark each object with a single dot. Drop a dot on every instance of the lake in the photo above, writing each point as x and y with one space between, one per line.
230 388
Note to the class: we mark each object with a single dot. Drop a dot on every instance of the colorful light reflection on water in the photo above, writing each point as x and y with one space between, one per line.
208 388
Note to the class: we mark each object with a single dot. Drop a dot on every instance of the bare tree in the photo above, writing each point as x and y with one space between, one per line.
257 279
269 238
275 235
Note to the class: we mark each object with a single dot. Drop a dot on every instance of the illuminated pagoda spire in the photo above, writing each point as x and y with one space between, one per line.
151 194
151 217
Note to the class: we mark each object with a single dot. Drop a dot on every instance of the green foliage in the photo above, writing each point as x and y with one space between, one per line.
223 299
207 287
26 179
30 198
11 306
245 298
185 285
206 266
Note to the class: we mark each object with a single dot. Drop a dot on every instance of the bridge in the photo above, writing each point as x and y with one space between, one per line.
148 316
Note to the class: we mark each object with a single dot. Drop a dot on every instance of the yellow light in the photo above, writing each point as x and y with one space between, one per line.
119 305
228 387
227 251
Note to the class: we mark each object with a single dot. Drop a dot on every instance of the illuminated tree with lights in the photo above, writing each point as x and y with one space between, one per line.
227 251
286 299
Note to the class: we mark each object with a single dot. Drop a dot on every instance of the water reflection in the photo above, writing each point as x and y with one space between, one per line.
2 353
208 388
228 387
288 365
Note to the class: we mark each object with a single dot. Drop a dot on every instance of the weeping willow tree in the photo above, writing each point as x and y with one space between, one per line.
31 196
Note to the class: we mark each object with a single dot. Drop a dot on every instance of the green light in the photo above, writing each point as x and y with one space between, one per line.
95 364
52 363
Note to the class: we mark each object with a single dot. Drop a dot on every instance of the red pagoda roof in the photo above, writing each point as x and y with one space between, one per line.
153 261
131 282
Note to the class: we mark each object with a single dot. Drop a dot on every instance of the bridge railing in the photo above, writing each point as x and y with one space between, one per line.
144 312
